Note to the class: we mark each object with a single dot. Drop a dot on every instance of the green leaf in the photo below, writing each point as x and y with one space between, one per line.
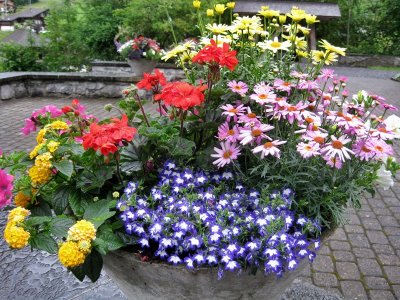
94 179
79 272
100 245
65 167
181 147
98 212
76 203
60 200
44 242
93 265
34 221
43 209
60 225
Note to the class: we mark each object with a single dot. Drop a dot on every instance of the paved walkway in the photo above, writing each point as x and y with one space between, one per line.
360 261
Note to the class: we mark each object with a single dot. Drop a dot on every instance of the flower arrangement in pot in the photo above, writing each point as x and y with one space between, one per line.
238 168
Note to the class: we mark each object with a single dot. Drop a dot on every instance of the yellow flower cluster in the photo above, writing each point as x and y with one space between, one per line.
38 175
72 253
52 146
15 236
42 161
21 199
40 135
35 151
58 125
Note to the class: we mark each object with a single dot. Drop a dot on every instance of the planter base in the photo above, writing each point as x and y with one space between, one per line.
148 281
140 66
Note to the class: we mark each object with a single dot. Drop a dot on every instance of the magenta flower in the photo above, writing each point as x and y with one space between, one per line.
53 110
269 148
380 148
327 74
226 154
238 87
5 188
29 127
363 151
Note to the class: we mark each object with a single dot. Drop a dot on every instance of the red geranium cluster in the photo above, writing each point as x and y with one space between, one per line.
107 137
182 95
214 55
152 82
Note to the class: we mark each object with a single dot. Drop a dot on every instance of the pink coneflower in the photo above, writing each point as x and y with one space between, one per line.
5 188
238 87
254 134
226 154
269 148
228 134
308 150
334 162
337 148
283 86
363 151
232 111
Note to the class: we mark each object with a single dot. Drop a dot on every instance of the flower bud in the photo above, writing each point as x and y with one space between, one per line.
210 13
220 8
108 107
282 19
231 5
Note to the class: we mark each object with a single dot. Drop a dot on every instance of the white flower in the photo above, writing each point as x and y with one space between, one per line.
385 179
393 124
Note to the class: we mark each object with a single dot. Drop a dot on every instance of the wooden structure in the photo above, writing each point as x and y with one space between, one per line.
36 15
323 11
7 6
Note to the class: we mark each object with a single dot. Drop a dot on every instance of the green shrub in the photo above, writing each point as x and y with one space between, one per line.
14 57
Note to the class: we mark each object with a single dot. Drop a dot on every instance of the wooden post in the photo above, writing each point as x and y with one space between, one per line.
313 39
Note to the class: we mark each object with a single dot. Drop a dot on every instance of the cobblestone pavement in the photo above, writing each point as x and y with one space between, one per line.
361 260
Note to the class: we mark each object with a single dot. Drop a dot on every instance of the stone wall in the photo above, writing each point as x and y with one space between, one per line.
369 60
106 80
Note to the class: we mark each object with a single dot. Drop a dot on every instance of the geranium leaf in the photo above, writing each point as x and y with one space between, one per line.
181 147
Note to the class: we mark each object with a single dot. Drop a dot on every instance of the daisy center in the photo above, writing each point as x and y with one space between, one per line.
237 87
227 154
319 139
256 132
251 115
268 145
365 149
292 108
233 110
337 144
276 44
379 148
382 129
286 84
230 132
309 120
308 148
262 96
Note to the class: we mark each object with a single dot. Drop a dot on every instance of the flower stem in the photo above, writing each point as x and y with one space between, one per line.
142 109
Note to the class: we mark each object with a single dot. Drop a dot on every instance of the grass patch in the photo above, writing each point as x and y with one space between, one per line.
4 34
384 68
39 4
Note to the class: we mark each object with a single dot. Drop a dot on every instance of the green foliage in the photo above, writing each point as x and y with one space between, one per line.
14 57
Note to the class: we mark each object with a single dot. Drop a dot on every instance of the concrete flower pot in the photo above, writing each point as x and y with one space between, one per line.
141 65
146 281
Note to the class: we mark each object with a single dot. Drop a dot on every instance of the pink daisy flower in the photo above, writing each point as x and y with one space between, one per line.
283 86
254 134
380 148
249 117
228 134
293 112
333 162
238 87
327 74
226 154
308 150
232 111
337 148
382 133
363 151
269 148
315 136
263 94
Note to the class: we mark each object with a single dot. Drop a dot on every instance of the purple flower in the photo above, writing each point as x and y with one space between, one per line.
174 259
211 259
144 242
232 265
292 264
273 265
189 262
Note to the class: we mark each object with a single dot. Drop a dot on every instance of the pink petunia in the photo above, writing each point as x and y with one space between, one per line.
226 154
29 127
5 188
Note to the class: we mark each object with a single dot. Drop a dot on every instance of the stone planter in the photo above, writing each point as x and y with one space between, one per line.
146 281
140 66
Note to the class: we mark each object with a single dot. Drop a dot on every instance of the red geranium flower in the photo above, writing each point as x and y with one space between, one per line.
214 55
182 95
107 137
150 81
